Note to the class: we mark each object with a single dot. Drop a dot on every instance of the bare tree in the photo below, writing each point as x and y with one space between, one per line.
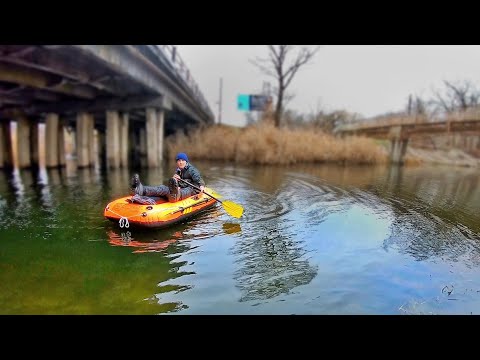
417 106
282 64
458 96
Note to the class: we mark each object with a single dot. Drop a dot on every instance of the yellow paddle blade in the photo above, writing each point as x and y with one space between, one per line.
232 208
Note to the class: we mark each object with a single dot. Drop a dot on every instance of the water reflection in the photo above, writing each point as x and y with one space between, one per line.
141 244
431 220
170 244
3 194
43 189
340 177
229 228
19 183
271 263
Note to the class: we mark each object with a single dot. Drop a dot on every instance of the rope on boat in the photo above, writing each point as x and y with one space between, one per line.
123 222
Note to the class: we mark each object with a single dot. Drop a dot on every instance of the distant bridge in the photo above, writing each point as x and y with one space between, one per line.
399 129
130 96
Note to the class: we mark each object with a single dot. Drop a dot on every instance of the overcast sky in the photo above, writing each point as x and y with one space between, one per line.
365 79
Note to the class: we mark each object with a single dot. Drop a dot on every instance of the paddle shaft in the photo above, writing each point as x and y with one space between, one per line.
196 187
230 207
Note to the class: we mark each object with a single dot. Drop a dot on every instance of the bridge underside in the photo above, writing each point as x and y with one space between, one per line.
37 79
109 90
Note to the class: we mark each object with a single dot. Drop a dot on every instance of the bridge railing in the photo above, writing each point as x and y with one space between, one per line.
472 113
385 121
181 69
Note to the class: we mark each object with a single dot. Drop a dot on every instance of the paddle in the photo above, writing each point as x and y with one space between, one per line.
230 207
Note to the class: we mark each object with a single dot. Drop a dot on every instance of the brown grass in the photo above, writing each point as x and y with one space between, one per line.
412 160
266 144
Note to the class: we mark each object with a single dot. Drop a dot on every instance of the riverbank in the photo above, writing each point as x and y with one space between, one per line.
454 157
265 144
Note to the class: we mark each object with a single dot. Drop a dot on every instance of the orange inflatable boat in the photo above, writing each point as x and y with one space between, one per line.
162 214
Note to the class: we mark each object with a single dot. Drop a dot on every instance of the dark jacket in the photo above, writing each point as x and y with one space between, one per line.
191 174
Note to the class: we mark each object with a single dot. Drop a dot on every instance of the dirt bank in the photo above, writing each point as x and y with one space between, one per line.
454 157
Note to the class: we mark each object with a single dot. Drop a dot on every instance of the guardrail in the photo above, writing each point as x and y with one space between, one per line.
178 65
470 114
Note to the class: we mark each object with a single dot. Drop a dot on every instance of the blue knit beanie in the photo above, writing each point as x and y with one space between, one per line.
182 156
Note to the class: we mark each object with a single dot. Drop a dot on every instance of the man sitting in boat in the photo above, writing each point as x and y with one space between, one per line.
176 190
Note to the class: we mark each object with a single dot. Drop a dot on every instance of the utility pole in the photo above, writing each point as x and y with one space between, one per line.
220 102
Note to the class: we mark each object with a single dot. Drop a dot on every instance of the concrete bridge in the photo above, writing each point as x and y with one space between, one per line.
119 99
399 129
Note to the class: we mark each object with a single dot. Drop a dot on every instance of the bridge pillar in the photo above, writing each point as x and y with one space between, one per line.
143 148
23 143
7 145
34 144
113 139
91 140
83 140
61 143
3 147
6 154
51 140
152 138
124 140
398 145
160 126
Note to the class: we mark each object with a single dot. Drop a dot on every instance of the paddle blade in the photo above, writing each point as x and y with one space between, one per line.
232 208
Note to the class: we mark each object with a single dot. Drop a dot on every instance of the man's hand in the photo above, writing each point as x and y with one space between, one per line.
176 176
202 188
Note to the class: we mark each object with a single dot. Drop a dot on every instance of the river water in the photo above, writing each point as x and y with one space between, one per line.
314 239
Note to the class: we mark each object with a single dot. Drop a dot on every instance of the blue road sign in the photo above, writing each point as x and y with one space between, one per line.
243 102
259 102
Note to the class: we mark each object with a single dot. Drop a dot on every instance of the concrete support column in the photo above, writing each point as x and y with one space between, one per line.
70 136
124 140
91 146
152 138
61 144
96 147
3 145
143 148
82 140
51 140
6 149
113 139
397 150
34 143
23 142
160 126
3 150
398 145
